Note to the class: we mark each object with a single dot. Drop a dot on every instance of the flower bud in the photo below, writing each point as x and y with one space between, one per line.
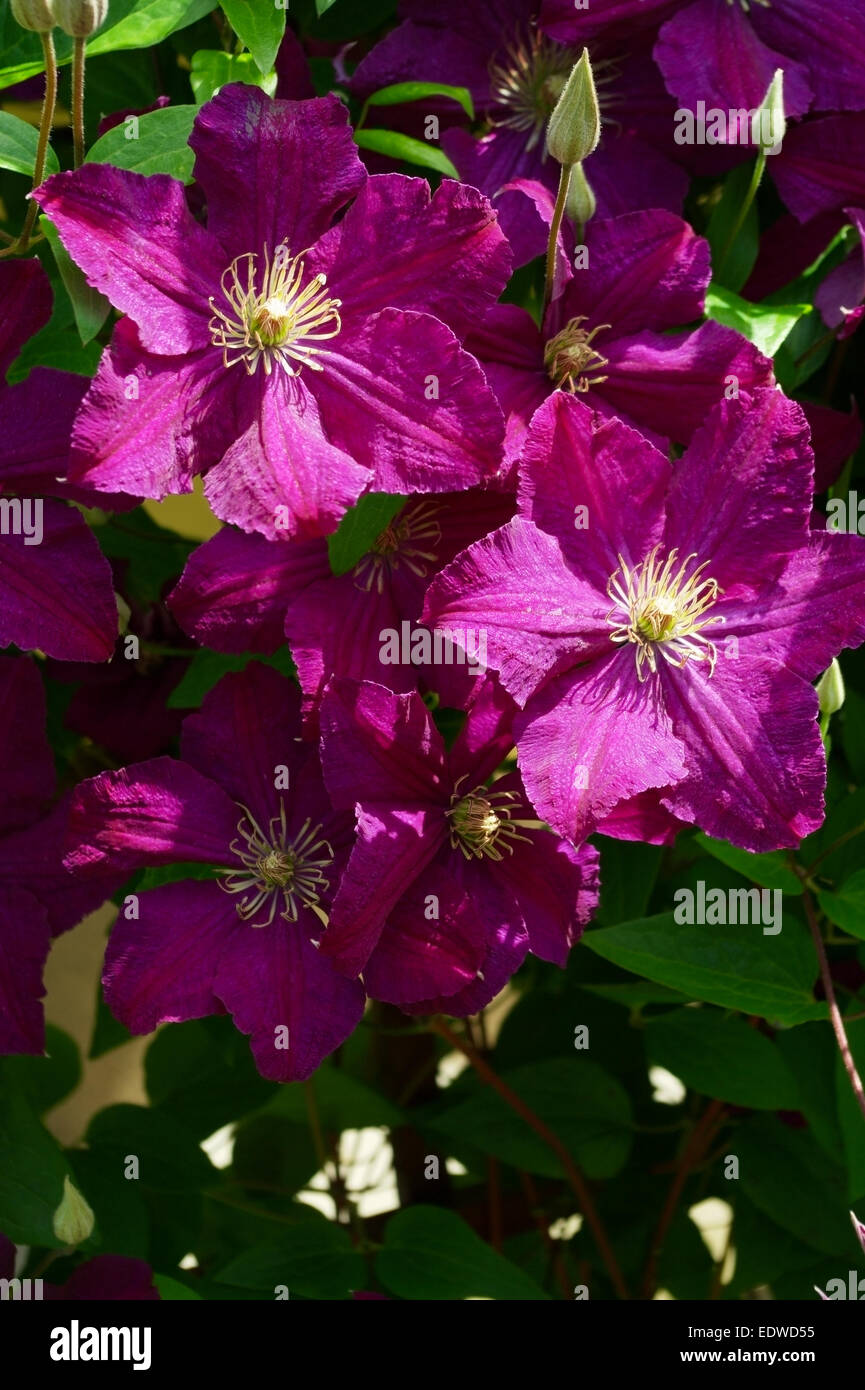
73 1219
574 128
770 119
36 15
580 206
830 689
80 18
859 1229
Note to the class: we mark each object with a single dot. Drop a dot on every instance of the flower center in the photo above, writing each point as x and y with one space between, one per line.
482 824
410 539
746 4
269 316
527 80
571 361
664 611
276 869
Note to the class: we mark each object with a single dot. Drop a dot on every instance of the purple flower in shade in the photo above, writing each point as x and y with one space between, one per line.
38 898
295 366
114 1277
241 593
820 167
515 74
55 584
725 52
248 800
661 623
604 336
841 297
452 878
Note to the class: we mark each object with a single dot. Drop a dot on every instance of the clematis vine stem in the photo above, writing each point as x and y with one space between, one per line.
78 55
552 1140
46 122
829 988
552 244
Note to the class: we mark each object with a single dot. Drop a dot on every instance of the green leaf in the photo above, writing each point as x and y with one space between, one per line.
108 1032
736 967
723 1058
172 1291
207 668
154 556
169 1158
766 325
315 1260
46 1080
430 1253
846 906
32 1169
405 148
273 1153
91 308
204 1079
18 141
769 870
260 24
580 1102
212 69
341 1100
399 92
160 144
628 873
810 1052
360 528
322 6
791 1180
744 250
849 1114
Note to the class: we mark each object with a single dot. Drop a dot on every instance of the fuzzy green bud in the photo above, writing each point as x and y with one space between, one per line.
770 120
73 1219
36 15
80 18
580 206
830 689
574 128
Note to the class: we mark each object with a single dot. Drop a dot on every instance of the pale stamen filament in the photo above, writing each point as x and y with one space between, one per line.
277 869
665 612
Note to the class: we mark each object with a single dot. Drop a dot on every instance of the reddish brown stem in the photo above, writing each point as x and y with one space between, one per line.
700 1138
834 1011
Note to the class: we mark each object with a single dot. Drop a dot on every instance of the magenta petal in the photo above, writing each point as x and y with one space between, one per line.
33 859
24 942
648 270
835 437
592 738
575 470
147 423
417 957
25 756
756 765
641 817
741 496
485 738
273 979
25 307
516 589
830 52
160 968
557 888
273 171
57 596
113 1277
235 589
36 418
394 846
401 396
157 812
820 166
399 247
136 240
667 384
283 476
377 746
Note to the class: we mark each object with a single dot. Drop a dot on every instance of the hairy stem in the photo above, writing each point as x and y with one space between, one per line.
552 244
78 100
46 122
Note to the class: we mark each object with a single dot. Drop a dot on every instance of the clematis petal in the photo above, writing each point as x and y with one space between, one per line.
273 979
32 859
25 307
830 52
235 589
160 968
557 887
378 746
820 168
25 755
593 738
137 242
58 595
112 1277
157 812
273 171
36 417
24 943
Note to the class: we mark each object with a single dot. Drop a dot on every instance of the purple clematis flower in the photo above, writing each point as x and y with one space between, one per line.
114 1277
38 898
604 336
55 584
841 297
661 623
820 167
243 593
247 800
452 879
515 74
294 362
725 52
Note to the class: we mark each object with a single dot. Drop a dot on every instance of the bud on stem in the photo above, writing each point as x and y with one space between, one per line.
574 128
